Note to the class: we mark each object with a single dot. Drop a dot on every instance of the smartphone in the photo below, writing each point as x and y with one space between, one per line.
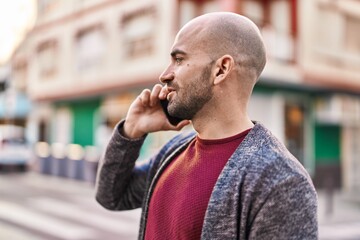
173 120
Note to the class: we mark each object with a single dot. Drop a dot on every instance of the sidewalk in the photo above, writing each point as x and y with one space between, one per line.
42 207
339 216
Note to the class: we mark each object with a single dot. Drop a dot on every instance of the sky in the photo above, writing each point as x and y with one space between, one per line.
16 18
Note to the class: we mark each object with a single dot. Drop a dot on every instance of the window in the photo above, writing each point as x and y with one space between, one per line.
339 46
188 9
5 74
138 30
42 135
20 74
2 85
255 11
326 39
90 47
47 58
294 129
46 6
277 21
352 34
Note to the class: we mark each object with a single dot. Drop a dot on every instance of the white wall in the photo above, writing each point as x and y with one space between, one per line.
269 110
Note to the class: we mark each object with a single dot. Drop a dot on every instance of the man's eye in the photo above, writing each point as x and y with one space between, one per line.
178 60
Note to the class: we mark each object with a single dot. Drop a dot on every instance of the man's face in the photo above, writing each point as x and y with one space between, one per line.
192 95
188 77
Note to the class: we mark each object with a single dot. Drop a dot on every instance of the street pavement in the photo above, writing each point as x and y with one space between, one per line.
339 216
41 207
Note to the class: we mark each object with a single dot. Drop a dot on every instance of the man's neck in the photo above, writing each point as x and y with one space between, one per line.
219 127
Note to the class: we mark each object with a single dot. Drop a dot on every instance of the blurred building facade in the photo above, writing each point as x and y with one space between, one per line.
85 61
14 107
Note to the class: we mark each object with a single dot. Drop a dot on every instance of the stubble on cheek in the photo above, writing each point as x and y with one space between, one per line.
190 99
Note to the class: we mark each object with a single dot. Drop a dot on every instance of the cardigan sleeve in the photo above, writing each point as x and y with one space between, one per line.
120 183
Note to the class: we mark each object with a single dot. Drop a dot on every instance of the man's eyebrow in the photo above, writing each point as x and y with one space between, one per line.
177 51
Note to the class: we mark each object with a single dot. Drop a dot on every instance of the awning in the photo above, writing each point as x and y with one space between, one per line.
14 105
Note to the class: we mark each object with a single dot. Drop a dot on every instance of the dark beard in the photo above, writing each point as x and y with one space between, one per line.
198 94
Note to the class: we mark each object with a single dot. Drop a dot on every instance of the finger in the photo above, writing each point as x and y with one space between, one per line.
145 97
163 93
154 97
180 125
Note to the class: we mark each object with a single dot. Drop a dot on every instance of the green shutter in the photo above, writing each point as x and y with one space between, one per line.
327 144
83 122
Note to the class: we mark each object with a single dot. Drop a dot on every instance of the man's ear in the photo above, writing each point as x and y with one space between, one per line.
223 66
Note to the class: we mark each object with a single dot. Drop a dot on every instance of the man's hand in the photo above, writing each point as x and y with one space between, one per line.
145 114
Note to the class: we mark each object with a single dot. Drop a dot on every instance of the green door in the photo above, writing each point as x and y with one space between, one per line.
327 156
327 144
83 121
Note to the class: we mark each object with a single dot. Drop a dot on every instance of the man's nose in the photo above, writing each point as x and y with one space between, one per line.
167 76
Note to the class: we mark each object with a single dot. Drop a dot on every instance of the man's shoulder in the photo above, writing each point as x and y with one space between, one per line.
264 153
260 141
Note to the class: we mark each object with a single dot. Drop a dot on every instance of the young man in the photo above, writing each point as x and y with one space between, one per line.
231 179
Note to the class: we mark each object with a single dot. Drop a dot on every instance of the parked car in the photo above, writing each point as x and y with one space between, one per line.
15 153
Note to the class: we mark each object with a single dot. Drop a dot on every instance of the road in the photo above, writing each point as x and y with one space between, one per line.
41 207
339 216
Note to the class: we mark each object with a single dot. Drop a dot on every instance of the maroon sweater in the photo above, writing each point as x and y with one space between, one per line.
180 198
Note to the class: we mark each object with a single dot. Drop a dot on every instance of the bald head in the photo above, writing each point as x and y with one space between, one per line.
228 33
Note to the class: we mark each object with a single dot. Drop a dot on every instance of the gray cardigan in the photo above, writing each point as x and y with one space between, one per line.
263 192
